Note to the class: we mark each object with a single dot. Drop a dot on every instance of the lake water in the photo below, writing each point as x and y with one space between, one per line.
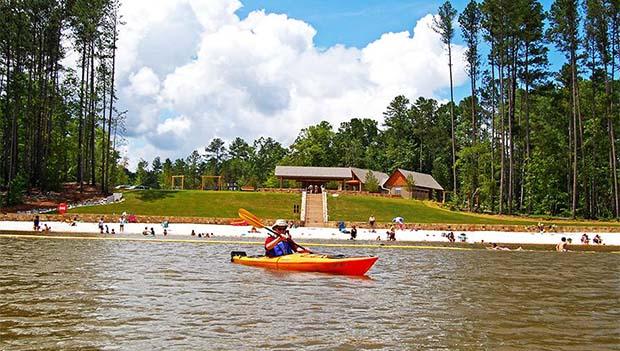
79 294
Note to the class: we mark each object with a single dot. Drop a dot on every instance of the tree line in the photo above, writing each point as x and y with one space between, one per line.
528 139
57 124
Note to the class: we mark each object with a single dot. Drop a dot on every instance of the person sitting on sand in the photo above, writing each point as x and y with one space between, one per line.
585 239
342 228
145 231
165 232
193 233
47 228
283 244
113 232
562 246
597 239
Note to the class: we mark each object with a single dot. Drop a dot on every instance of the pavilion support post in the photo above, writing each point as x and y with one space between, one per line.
280 182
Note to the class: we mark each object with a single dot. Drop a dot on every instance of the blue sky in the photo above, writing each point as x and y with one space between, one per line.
359 22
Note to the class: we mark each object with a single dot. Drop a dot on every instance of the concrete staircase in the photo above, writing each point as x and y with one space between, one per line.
314 210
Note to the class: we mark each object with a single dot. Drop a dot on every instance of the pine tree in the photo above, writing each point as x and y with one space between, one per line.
443 25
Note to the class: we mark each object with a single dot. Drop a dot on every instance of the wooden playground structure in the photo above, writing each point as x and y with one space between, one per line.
217 182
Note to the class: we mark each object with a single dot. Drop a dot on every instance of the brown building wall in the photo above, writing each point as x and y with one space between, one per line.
398 180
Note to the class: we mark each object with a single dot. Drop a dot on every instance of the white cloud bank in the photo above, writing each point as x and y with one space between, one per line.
190 70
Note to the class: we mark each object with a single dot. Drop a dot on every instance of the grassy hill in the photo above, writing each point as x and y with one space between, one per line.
225 204
196 203
359 208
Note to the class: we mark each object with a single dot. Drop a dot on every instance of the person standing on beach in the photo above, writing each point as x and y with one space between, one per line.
101 225
36 223
371 222
121 224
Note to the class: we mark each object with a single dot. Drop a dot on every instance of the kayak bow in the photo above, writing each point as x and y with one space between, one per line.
307 262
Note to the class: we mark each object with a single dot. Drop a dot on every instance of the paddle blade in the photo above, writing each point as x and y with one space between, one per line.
250 218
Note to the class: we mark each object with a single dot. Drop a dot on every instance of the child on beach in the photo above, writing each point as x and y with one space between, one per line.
36 223
391 234
562 246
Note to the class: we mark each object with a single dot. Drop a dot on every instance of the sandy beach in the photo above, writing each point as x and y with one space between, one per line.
229 231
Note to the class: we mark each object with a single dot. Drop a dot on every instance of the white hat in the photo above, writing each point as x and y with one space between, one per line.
280 223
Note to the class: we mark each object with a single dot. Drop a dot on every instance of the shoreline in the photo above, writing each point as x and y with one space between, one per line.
571 227
182 231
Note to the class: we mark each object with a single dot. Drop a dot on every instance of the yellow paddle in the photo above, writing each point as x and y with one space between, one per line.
256 222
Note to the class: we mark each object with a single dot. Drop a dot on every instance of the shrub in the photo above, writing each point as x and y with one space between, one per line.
16 191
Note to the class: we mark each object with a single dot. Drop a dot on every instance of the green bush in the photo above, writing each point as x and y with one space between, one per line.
17 189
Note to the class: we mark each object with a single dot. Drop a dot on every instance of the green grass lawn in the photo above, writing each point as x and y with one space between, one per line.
225 204
196 203
359 208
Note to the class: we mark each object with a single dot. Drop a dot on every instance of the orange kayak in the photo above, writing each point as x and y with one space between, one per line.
306 262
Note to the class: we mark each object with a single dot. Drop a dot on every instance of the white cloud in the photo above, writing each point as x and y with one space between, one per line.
214 74
144 82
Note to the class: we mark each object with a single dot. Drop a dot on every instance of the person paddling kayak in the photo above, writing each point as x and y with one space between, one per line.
283 244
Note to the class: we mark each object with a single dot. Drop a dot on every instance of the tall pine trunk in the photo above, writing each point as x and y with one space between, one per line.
80 161
92 113
111 108
452 119
574 125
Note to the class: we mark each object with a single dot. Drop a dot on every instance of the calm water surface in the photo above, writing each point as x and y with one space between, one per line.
78 294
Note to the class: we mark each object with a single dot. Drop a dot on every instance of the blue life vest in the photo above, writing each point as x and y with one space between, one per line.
282 248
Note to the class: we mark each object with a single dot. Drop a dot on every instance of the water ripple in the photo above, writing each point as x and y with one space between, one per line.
136 296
